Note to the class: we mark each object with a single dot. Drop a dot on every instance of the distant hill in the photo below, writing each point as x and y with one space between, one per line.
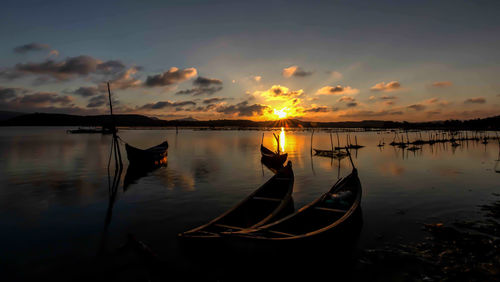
5 115
41 119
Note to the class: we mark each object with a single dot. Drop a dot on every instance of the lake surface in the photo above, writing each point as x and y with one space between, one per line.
54 191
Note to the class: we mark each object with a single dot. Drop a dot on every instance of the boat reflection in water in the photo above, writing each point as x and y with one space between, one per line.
137 171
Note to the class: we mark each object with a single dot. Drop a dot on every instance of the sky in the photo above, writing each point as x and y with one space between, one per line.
260 60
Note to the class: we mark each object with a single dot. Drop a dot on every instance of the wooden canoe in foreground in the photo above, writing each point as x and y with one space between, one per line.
153 155
322 215
259 208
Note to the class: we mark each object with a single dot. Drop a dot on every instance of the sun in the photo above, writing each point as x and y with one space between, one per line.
281 113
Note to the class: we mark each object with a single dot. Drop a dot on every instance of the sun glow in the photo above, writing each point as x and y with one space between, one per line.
281 114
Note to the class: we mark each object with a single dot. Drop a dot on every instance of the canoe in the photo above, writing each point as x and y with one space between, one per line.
262 206
271 157
331 154
326 213
153 155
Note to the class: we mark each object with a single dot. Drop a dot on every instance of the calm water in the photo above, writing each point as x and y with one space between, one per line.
54 190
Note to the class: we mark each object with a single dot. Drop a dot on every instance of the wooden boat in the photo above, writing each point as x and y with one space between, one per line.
271 158
326 213
338 154
259 208
153 155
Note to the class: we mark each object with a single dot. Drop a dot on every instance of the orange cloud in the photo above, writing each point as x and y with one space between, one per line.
386 87
295 71
442 84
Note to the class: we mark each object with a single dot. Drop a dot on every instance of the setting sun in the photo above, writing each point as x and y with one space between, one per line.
281 113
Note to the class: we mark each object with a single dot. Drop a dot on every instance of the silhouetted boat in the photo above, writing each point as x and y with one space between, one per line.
338 154
260 207
271 157
153 155
326 213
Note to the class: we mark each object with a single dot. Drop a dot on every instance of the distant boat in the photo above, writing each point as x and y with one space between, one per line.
80 130
325 214
153 155
260 207
337 154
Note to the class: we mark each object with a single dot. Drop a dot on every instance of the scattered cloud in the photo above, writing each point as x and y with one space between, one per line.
170 77
278 92
244 109
369 114
86 91
475 100
257 78
386 87
317 109
11 92
166 104
203 86
417 107
337 90
442 84
214 100
31 47
295 71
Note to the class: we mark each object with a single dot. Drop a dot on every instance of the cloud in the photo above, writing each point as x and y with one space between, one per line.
53 53
166 104
243 109
337 90
369 114
257 78
295 71
442 84
214 100
40 99
206 82
475 100
86 91
386 87
172 76
317 109
97 101
123 80
417 107
346 99
351 104
11 92
31 47
385 97
79 66
280 93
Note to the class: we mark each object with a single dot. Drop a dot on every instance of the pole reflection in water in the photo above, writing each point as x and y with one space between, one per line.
282 140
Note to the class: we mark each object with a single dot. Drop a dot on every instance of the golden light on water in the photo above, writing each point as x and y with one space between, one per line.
282 140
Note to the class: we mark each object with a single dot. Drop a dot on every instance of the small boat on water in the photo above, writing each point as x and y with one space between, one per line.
153 155
262 206
90 130
273 159
326 213
337 154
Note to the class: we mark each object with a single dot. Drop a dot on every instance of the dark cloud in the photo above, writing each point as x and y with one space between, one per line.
476 100
11 92
417 107
295 71
85 91
42 98
97 101
166 104
172 76
205 82
351 104
200 91
385 97
319 109
31 47
111 67
243 109
214 100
